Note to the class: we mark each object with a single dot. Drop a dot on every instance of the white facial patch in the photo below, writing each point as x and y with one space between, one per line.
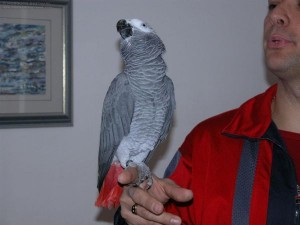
140 25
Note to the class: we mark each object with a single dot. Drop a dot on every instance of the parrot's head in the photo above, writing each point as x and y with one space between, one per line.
139 41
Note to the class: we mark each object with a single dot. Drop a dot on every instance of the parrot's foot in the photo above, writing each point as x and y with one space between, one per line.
144 173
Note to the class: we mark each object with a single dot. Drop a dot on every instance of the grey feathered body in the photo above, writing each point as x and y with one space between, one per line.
139 105
149 85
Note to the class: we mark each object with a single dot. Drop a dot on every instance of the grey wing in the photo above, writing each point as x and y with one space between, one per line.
169 115
117 114
171 109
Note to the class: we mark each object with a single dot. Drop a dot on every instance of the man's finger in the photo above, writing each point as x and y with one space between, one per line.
134 218
176 192
163 218
137 214
143 198
128 176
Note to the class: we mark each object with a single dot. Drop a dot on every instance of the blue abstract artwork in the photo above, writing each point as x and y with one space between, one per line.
22 59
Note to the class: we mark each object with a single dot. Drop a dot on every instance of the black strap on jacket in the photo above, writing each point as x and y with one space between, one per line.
283 184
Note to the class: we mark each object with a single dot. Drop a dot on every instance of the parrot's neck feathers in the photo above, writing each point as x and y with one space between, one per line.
137 62
148 75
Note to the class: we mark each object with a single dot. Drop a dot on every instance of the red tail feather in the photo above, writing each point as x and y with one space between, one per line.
111 191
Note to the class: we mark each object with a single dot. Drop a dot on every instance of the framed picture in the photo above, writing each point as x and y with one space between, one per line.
35 63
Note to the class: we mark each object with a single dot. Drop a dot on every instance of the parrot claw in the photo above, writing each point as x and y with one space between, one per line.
144 174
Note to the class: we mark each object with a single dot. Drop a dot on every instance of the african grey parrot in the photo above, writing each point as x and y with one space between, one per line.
137 110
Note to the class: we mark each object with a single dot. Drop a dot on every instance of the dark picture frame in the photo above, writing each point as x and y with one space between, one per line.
35 63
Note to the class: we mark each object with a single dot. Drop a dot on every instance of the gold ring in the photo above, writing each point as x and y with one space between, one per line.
133 208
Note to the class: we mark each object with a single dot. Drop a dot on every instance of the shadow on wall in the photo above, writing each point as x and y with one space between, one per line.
106 215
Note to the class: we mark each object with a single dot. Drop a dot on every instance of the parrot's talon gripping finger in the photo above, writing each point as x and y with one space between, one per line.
149 183
144 174
130 163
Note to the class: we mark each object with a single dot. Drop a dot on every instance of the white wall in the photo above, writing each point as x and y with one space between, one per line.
48 175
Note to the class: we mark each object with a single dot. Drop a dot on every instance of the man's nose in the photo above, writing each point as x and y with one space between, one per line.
279 16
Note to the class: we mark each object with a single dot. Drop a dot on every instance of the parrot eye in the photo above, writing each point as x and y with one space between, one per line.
143 25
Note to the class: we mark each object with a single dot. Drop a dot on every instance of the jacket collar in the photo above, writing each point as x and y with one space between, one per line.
272 134
253 118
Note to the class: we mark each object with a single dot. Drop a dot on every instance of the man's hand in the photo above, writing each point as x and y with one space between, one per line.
150 203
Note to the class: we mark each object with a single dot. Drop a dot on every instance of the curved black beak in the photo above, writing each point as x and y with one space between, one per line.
124 28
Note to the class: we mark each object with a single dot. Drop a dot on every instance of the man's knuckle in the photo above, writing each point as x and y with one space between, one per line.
146 214
132 191
124 198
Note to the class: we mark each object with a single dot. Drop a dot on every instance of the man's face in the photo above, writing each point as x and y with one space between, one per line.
282 36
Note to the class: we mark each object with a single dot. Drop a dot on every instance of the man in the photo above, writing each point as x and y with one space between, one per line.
242 166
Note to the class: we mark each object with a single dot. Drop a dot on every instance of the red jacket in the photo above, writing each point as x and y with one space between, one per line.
229 164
